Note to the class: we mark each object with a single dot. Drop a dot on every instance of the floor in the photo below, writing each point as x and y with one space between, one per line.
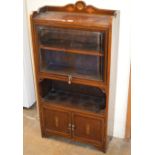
34 144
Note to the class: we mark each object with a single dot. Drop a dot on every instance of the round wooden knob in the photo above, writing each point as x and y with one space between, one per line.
80 5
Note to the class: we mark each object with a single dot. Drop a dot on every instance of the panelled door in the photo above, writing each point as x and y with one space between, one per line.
57 122
72 55
74 125
87 128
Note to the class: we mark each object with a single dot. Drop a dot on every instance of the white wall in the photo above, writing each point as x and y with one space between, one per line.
120 55
113 73
28 82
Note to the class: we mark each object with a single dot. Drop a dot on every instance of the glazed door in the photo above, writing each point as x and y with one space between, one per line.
57 122
87 129
72 53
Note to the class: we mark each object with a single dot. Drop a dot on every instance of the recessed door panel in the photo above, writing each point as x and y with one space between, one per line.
56 121
87 128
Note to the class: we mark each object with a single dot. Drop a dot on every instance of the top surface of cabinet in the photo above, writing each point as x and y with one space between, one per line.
75 18
77 15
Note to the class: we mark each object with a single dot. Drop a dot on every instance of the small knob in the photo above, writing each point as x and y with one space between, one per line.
69 126
69 79
73 127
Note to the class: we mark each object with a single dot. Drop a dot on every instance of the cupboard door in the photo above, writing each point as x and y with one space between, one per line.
87 129
57 122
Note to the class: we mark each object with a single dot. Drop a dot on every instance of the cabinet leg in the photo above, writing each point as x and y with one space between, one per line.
43 134
104 149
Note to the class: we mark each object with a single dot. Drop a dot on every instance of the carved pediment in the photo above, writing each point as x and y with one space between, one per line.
78 7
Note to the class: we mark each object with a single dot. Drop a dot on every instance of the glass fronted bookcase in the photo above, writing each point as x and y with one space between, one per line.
71 47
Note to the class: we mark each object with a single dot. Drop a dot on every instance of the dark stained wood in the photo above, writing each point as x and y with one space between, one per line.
71 16
72 110
89 130
76 80
57 121
108 63
74 51
89 9
76 101
80 35
74 19
45 87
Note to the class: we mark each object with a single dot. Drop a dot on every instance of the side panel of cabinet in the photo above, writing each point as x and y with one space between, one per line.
56 122
88 129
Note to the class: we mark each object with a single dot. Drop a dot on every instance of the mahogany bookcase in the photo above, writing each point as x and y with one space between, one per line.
71 49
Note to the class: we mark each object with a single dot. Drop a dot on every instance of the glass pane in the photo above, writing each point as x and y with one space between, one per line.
77 65
71 39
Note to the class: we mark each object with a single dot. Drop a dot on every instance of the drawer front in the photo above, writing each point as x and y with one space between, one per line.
57 122
87 129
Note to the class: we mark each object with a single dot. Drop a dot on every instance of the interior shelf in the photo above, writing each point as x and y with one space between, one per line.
73 96
76 65
59 49
75 100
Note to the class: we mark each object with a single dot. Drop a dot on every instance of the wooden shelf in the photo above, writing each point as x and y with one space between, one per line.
75 101
56 49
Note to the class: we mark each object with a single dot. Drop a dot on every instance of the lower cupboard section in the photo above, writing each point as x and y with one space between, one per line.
74 125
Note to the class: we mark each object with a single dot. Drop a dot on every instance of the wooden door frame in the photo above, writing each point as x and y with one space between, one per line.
128 116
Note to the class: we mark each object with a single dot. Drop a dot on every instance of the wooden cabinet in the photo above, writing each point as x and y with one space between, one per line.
74 125
71 49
